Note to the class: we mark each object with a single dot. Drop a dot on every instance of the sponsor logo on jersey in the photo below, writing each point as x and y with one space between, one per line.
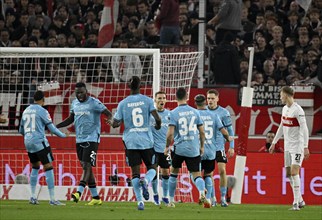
186 113
135 104
290 122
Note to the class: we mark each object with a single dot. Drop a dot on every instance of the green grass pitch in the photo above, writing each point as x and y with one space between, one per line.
10 210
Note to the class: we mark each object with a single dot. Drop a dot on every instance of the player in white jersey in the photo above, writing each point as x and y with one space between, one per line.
296 137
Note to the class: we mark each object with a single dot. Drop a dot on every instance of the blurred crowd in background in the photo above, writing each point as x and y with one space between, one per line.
287 38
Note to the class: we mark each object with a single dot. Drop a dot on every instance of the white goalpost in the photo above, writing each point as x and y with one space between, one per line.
241 149
106 73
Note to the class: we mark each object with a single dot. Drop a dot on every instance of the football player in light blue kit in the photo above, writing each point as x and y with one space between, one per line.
85 112
159 137
32 126
135 112
187 130
224 116
212 126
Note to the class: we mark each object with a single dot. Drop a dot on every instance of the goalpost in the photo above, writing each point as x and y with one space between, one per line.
241 149
105 71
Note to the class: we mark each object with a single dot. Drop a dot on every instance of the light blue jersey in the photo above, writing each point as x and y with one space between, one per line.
159 136
212 126
186 134
87 119
135 112
225 118
32 126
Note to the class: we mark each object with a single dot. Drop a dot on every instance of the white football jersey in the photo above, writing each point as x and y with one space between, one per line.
292 119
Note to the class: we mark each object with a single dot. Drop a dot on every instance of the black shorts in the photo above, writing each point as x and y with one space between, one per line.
87 152
193 163
208 165
44 156
221 157
162 160
135 157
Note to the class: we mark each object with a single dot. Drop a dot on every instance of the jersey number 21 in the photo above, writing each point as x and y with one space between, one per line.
30 122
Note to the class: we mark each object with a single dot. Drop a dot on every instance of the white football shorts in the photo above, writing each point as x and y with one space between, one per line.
293 158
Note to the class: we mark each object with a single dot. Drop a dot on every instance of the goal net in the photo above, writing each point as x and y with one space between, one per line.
105 72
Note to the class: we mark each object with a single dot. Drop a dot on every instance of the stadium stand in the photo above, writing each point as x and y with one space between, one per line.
277 29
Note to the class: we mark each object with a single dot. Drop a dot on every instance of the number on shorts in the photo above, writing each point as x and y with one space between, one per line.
298 157
223 154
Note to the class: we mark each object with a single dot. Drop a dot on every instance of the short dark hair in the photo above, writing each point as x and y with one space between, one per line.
80 85
270 132
200 98
7 30
39 95
159 92
260 14
213 91
135 83
314 10
33 39
143 2
181 93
